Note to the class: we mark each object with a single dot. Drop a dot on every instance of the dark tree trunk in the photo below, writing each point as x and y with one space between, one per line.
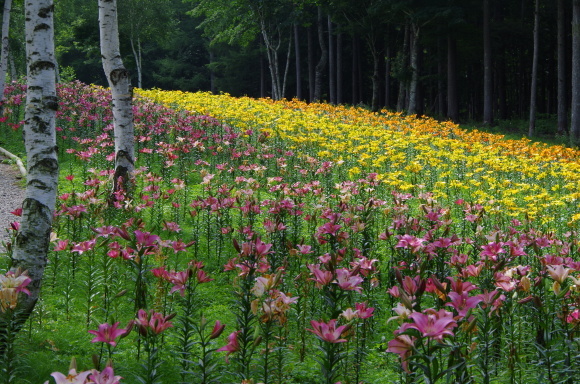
440 78
575 120
211 71
262 74
534 85
323 58
359 73
562 103
401 105
354 71
388 78
298 66
375 80
331 64
311 69
339 82
487 66
415 70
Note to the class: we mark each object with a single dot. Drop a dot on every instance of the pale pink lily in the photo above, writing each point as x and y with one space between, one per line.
558 272
401 311
349 314
72 378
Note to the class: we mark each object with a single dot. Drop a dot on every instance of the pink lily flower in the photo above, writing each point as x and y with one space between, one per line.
321 277
217 330
232 346
108 333
72 378
346 281
363 312
328 332
432 324
153 321
463 302
106 376
403 346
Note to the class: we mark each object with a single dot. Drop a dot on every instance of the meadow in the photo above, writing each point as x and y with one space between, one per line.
285 242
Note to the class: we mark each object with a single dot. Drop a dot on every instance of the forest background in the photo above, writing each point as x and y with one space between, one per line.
468 61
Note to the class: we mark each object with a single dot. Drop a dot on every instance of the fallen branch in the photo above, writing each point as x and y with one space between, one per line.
16 159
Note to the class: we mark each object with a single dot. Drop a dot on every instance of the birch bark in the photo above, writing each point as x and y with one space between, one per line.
32 240
119 82
5 46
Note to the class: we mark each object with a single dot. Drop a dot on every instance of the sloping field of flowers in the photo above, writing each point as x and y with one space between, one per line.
514 177
279 242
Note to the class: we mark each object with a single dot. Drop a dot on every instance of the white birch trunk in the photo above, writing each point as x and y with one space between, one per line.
5 46
120 85
33 238
137 56
283 92
272 55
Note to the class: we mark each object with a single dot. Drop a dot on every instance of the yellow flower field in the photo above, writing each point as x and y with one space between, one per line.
514 177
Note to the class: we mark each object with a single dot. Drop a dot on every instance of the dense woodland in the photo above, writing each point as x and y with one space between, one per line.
463 60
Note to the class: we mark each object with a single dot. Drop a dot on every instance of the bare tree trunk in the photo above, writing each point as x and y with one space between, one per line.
298 65
339 80
575 119
138 62
375 79
414 70
5 48
272 55
211 71
13 75
287 68
311 70
323 59
331 64
402 82
440 78
354 71
33 238
534 86
118 78
487 64
562 104
452 101
388 78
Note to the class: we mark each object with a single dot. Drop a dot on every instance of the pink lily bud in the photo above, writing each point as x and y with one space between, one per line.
218 328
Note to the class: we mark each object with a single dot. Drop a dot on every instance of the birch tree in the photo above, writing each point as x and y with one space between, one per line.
31 245
241 21
5 46
119 82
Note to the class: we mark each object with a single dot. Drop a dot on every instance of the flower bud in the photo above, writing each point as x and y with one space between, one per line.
218 328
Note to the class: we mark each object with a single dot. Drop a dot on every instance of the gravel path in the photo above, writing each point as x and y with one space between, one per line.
11 196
